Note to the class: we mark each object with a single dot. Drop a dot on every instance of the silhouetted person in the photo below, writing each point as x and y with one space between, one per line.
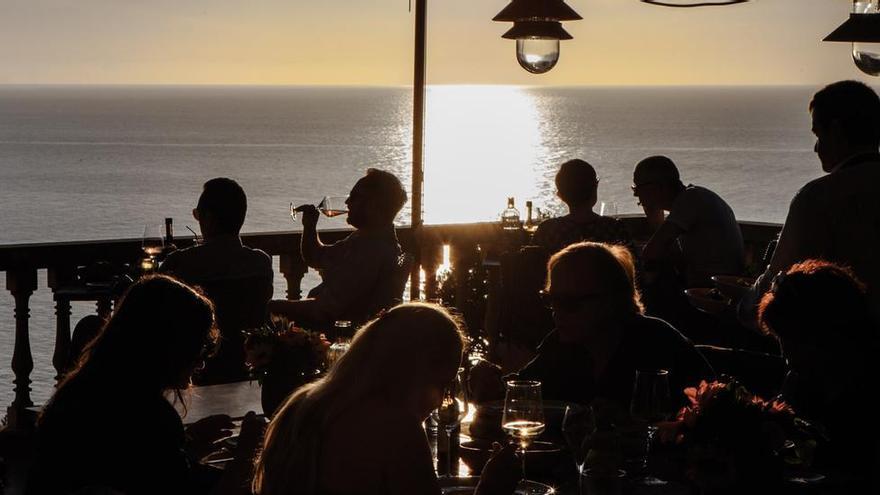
355 270
821 315
699 237
576 186
109 424
359 428
836 217
236 278
601 337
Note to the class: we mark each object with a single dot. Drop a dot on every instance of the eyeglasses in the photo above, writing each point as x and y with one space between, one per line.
567 303
635 187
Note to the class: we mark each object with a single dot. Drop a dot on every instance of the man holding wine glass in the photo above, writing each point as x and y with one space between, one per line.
354 270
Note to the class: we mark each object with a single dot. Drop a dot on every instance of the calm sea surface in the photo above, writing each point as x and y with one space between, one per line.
101 162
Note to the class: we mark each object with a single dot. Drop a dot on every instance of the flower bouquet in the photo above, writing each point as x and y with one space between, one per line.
282 357
733 439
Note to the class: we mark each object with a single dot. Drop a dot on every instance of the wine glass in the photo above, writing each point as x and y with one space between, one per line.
578 425
332 206
523 417
153 242
452 411
651 404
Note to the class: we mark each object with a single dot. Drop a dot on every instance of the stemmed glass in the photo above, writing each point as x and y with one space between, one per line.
523 418
608 209
330 206
651 404
578 425
152 245
452 410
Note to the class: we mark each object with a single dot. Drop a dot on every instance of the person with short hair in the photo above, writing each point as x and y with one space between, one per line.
700 236
220 211
821 314
835 217
355 270
238 279
359 428
577 186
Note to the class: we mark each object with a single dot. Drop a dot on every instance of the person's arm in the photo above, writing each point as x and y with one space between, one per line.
409 467
801 238
661 242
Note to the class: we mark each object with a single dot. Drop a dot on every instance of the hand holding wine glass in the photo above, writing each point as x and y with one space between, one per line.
330 206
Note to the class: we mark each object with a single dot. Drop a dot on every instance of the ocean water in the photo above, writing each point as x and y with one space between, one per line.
102 162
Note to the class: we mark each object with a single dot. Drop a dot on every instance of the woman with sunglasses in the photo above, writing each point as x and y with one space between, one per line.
601 337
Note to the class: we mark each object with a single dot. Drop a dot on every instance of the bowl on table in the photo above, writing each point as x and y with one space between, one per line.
732 286
707 300
541 457
465 485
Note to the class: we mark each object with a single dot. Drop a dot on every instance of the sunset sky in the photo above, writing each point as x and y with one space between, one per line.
619 42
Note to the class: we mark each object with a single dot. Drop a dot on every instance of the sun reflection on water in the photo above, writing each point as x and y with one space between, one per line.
482 145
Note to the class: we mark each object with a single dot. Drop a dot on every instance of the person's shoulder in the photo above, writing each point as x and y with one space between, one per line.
257 255
657 328
181 256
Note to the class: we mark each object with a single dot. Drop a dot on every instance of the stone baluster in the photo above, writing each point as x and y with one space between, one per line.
294 269
21 283
59 277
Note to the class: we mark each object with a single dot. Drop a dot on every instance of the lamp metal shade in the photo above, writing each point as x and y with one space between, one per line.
537 10
693 3
858 28
537 30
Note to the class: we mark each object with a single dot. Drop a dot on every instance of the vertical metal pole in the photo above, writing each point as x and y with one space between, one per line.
418 167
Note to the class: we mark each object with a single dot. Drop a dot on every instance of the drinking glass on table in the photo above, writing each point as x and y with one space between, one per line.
452 411
330 206
608 209
578 425
153 242
651 404
523 417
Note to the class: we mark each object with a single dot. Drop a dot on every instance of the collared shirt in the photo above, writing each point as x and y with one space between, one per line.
221 258
835 218
711 242
354 271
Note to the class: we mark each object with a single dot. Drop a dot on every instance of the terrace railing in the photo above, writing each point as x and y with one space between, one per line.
21 264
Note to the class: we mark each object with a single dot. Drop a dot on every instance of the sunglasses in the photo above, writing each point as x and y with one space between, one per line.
566 303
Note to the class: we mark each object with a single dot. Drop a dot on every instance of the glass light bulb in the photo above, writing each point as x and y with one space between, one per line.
867 57
536 55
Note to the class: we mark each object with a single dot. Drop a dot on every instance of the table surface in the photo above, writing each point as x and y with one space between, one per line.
234 399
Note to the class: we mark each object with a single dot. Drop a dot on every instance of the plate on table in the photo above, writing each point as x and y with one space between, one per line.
710 301
732 286
466 486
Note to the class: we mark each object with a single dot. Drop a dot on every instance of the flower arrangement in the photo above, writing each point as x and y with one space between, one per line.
732 437
279 346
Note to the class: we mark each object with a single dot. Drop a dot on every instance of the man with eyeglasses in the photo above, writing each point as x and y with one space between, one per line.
699 238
